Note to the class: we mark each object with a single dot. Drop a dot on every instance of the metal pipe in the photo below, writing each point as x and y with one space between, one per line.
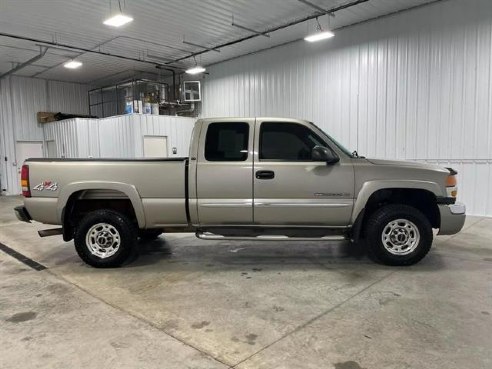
151 43
174 85
308 3
78 54
201 46
157 57
167 66
83 49
250 30
273 29
111 40
191 109
42 52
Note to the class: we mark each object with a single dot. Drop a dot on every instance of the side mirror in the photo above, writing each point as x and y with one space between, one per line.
321 153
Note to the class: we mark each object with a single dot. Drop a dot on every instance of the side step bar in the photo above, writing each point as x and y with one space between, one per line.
218 237
50 232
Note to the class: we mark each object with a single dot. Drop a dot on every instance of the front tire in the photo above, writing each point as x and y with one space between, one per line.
398 235
105 239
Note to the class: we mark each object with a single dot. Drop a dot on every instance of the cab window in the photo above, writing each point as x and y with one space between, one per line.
287 141
227 142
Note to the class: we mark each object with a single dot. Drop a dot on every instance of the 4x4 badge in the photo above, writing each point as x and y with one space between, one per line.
46 185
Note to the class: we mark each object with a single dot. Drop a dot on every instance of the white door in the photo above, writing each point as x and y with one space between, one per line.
26 150
155 146
51 146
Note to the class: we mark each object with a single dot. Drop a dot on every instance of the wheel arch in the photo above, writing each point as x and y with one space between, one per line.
111 191
418 194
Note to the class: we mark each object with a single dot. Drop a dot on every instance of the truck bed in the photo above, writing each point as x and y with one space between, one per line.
156 187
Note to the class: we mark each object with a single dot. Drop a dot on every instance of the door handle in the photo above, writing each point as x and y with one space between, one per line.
265 174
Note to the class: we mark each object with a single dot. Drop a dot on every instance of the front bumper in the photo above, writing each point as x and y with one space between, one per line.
452 218
22 214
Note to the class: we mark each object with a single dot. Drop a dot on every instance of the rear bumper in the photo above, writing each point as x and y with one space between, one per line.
22 214
452 218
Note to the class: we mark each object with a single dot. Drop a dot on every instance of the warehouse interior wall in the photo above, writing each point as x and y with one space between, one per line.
119 136
20 99
415 85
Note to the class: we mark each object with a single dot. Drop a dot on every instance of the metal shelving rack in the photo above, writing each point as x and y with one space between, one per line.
111 100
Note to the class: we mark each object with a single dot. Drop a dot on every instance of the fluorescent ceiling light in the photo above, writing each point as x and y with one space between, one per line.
318 36
195 70
72 64
118 20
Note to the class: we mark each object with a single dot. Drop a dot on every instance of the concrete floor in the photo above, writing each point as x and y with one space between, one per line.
187 303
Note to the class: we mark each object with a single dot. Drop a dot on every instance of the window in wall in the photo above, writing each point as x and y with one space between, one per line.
227 142
287 141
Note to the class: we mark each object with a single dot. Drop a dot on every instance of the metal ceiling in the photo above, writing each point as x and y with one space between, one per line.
156 35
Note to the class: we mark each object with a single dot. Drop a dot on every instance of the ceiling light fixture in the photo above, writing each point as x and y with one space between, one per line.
72 64
196 69
118 19
320 34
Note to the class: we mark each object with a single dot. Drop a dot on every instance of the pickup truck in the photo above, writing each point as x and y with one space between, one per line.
245 178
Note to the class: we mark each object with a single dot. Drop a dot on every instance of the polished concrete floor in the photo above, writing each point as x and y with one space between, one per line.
187 303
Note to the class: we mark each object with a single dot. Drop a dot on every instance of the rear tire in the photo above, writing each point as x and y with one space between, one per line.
105 238
398 235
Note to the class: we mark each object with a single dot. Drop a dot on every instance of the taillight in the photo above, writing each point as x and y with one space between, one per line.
26 192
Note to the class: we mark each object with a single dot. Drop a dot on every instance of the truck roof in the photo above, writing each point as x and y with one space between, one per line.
268 119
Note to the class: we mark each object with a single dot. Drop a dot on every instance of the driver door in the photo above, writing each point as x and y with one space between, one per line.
292 189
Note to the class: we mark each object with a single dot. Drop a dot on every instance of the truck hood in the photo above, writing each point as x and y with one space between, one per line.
400 163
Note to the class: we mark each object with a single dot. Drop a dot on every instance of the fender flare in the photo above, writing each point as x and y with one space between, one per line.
129 190
370 187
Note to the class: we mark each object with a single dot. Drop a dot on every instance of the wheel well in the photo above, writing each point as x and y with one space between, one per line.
83 202
423 200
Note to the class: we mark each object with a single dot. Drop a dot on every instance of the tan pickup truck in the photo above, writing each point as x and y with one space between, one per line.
246 178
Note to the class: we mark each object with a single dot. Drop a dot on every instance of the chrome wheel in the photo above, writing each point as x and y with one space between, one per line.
400 237
103 240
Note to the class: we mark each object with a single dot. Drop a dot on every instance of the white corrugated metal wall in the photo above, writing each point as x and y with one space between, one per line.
20 99
118 137
415 85
177 129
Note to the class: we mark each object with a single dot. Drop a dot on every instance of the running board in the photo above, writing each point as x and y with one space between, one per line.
50 232
218 237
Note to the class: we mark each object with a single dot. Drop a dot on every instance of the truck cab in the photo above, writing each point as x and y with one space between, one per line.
264 172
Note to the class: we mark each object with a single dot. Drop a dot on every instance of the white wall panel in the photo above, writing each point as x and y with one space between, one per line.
28 97
68 98
20 99
65 137
8 169
177 129
118 137
415 85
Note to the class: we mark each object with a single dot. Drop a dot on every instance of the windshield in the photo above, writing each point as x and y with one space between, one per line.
338 144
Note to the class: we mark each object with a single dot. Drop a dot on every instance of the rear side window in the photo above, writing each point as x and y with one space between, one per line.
287 141
227 142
